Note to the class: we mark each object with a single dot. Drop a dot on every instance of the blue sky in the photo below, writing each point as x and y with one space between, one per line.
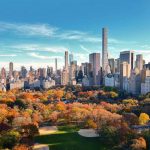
34 32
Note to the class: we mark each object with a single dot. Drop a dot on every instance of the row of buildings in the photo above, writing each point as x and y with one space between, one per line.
128 72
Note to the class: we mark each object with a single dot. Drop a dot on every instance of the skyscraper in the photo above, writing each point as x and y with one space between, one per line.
104 51
70 58
66 60
72 71
127 56
124 75
94 59
56 65
139 62
86 69
3 73
112 65
10 69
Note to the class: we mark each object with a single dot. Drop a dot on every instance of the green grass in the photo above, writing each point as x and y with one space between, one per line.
67 138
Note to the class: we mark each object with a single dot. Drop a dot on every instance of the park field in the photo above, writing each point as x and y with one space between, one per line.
67 138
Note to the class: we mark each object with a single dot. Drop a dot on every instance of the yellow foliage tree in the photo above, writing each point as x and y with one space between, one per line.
143 118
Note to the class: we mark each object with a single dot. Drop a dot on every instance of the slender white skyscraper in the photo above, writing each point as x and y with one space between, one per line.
105 64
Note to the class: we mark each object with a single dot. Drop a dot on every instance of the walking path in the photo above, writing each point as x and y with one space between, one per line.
47 130
44 131
88 133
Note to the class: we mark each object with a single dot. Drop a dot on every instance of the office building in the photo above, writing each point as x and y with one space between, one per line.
124 75
70 58
64 77
3 73
94 60
127 56
10 69
139 62
112 65
135 82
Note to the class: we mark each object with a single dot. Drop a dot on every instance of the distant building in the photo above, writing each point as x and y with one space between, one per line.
127 56
17 85
135 82
66 60
105 63
10 69
139 62
124 76
3 73
117 65
94 60
50 71
85 81
72 71
55 65
145 79
112 65
109 80
48 83
145 86
70 58
86 69
23 72
64 77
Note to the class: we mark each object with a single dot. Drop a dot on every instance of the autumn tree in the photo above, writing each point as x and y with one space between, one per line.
143 118
139 144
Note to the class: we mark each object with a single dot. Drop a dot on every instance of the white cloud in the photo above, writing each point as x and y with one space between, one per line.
8 55
45 30
36 47
29 29
37 55
142 51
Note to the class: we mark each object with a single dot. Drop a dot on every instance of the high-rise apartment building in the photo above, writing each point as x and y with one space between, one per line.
72 71
64 77
23 72
124 75
70 58
135 81
10 69
139 62
117 65
94 59
112 65
3 73
127 56
105 63
86 69
49 71
66 60
56 65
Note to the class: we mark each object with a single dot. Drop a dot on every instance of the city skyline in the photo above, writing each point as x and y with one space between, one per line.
38 37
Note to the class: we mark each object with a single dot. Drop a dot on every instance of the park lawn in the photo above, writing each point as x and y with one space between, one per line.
67 138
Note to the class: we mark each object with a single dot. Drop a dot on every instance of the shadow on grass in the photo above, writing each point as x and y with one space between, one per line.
70 141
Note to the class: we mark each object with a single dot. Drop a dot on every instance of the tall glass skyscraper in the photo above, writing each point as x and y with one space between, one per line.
127 56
